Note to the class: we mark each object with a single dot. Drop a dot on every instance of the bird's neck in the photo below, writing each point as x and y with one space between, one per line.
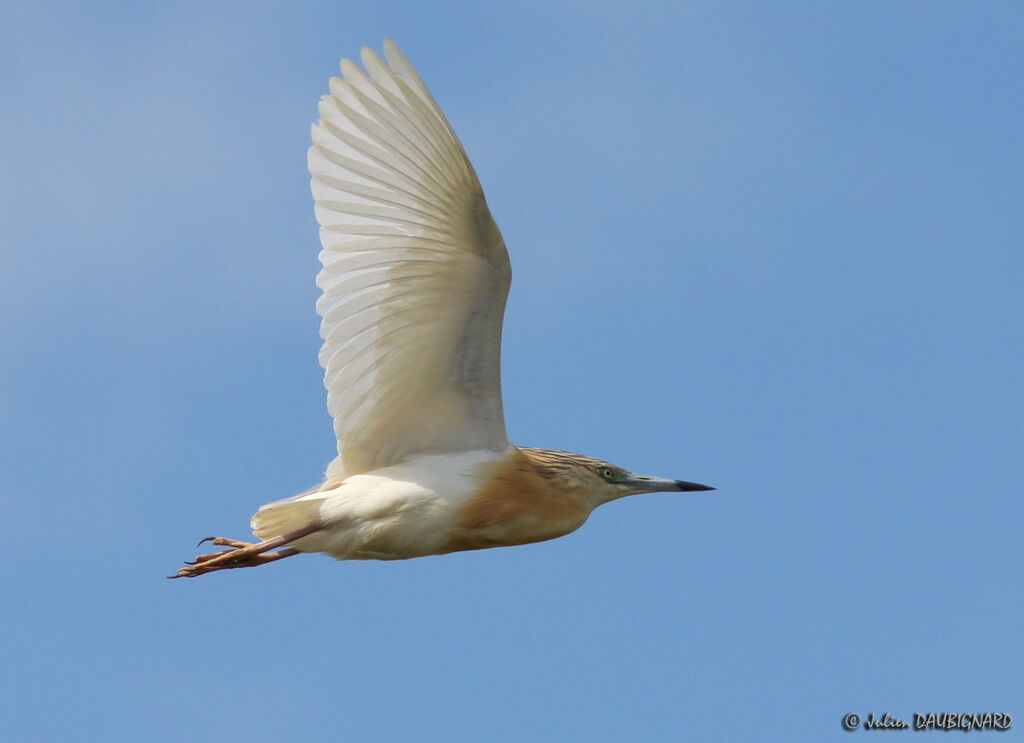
521 499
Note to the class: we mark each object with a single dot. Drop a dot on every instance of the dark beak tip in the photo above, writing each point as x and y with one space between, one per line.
692 486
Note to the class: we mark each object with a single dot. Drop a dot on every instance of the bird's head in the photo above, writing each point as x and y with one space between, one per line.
610 482
603 481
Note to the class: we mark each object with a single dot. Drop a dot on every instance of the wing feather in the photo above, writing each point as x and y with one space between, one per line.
415 273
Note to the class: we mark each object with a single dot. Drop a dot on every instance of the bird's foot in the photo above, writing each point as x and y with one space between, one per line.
239 555
244 554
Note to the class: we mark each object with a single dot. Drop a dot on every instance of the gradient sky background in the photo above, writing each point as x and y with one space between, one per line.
771 247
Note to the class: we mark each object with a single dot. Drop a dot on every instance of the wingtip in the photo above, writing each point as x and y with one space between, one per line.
396 58
349 69
369 56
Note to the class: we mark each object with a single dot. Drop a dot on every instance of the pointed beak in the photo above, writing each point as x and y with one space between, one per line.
645 484
684 485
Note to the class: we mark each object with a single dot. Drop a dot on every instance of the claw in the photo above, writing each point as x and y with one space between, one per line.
244 554
202 541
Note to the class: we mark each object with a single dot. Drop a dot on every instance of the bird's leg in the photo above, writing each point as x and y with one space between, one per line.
244 554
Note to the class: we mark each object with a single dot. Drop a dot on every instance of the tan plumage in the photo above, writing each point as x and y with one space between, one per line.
414 280
530 496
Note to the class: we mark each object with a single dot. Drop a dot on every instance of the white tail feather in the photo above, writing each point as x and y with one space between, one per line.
289 514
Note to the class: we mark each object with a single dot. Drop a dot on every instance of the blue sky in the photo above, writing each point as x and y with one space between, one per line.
771 247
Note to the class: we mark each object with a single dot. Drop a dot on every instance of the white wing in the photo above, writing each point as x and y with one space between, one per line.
415 273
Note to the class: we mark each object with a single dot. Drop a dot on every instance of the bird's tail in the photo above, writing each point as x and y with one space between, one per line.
287 515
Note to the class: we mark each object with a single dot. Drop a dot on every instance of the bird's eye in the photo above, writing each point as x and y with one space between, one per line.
608 473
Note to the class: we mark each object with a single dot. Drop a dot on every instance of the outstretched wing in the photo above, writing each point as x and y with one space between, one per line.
415 273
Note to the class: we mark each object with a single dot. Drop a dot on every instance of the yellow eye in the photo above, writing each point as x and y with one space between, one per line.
608 474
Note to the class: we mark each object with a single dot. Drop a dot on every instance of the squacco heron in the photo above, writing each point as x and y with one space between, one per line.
414 280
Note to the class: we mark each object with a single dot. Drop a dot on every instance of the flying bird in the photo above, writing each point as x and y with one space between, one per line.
414 280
